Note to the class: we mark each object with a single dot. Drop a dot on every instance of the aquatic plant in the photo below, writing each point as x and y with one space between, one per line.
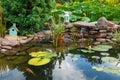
101 48
40 58
110 59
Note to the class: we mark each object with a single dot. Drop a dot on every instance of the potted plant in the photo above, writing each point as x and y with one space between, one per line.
57 29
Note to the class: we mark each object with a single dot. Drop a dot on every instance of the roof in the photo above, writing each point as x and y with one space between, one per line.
14 28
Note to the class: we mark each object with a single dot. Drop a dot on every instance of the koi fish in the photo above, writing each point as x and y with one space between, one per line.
29 70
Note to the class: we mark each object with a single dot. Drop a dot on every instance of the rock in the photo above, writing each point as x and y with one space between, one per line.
110 34
96 43
14 43
113 39
26 41
108 40
101 40
100 35
84 24
103 31
68 26
67 40
102 23
93 32
81 40
108 37
6 47
5 43
7 37
3 50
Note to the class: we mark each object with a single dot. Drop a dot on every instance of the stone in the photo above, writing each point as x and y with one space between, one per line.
26 41
100 35
68 26
5 43
96 43
103 23
110 34
103 31
6 47
108 37
3 50
7 37
81 40
101 40
108 40
84 24
93 32
113 39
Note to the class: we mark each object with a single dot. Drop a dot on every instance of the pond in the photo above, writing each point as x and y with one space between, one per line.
70 64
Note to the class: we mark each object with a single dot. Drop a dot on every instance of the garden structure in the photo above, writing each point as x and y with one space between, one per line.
60 40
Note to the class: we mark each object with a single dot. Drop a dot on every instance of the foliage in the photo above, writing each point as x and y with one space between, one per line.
90 10
29 15
40 58
117 36
57 29
2 23
101 48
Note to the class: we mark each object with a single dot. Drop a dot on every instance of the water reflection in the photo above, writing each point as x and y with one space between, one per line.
67 72
60 68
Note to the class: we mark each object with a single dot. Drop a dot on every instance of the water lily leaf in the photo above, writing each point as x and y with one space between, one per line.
74 58
105 54
38 61
102 47
112 69
50 55
87 51
96 57
38 54
110 59
97 68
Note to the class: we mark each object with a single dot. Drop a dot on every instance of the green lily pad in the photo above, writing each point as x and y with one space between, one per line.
96 57
101 48
38 61
38 54
112 69
87 51
105 54
97 68
110 59
74 58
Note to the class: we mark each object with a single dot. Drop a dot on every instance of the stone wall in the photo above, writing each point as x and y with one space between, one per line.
100 32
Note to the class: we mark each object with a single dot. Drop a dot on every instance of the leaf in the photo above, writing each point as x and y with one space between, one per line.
102 47
105 54
38 54
38 61
96 57
87 51
109 59
112 69
74 58
97 68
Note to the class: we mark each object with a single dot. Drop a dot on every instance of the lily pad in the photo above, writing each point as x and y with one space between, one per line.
110 59
102 47
112 69
105 54
87 51
38 54
38 61
96 57
74 58
97 68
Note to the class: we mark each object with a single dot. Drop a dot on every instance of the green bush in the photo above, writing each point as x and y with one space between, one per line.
90 9
29 15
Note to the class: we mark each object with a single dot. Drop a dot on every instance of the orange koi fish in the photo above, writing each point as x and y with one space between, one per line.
29 70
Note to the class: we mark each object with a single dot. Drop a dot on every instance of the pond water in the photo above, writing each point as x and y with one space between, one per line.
70 64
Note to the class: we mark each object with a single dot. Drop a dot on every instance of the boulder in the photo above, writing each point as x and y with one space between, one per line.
100 35
84 24
68 26
96 43
101 40
103 31
6 47
93 32
3 50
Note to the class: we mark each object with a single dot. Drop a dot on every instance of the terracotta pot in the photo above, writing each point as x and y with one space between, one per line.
59 40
